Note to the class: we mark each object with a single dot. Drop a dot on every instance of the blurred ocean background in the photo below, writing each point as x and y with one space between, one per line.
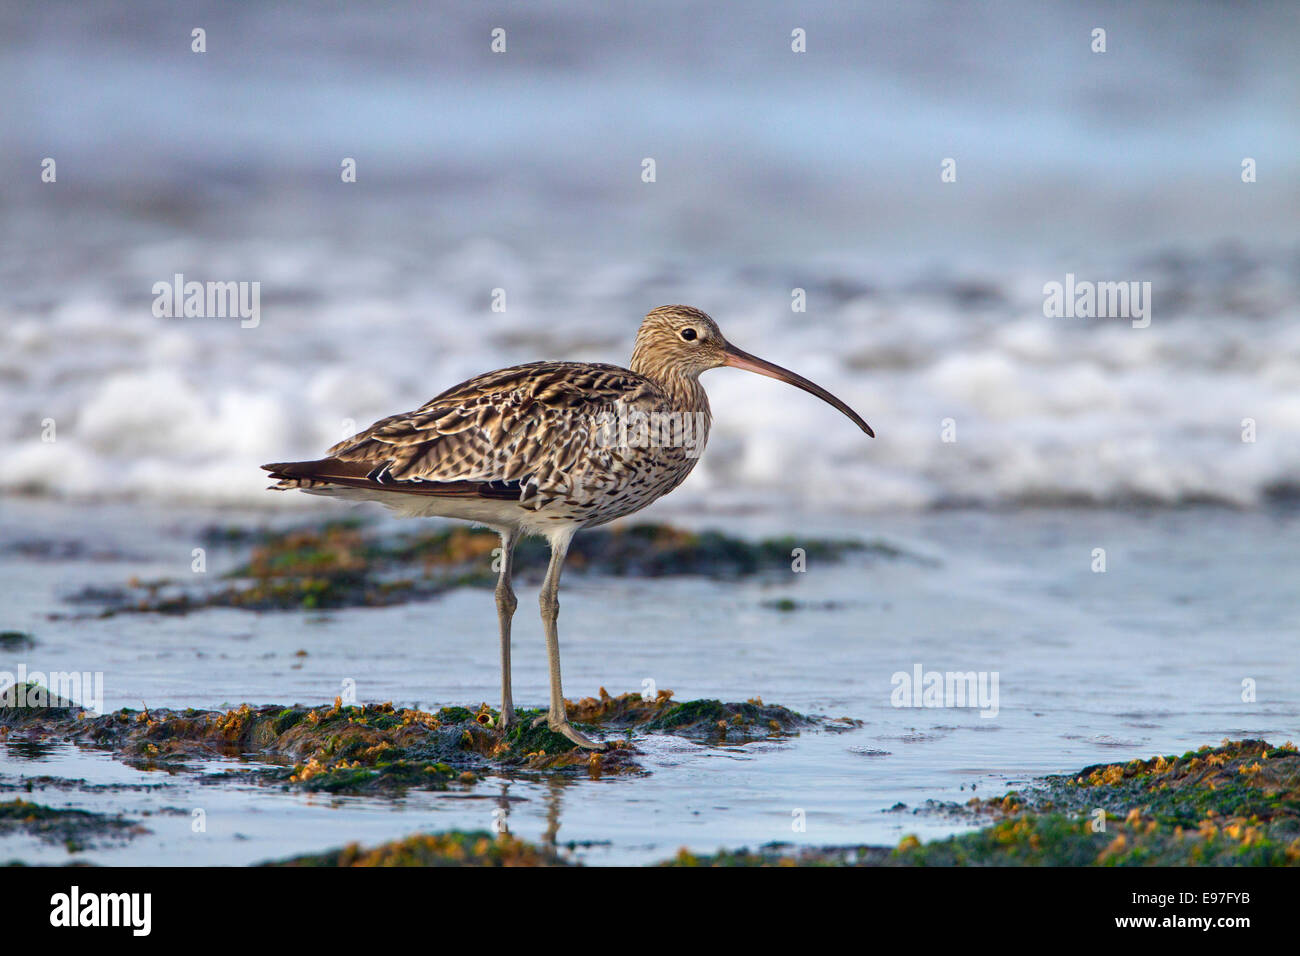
775 171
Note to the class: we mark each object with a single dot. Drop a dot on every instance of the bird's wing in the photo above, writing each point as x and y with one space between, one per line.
526 432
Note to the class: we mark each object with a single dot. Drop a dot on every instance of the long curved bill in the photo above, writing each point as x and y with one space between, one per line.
739 358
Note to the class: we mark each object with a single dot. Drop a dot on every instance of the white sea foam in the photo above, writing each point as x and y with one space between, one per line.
1044 410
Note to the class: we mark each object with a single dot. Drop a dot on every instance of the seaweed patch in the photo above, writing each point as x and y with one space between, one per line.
378 748
1233 805
77 830
344 564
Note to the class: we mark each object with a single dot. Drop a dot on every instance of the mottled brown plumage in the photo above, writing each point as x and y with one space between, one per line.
546 448
535 433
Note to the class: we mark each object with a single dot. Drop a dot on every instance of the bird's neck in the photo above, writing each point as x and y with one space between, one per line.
684 391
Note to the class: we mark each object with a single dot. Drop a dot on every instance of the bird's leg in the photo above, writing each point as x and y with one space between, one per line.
556 718
506 604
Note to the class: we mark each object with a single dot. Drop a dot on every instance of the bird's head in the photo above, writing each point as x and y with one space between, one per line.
677 341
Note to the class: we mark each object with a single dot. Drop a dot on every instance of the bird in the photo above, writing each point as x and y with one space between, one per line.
546 448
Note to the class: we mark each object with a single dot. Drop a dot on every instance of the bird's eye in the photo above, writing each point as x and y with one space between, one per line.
688 335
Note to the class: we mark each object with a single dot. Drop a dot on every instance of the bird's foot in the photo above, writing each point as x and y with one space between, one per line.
506 721
564 728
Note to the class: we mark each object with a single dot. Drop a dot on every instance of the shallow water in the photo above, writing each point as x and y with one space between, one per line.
1148 657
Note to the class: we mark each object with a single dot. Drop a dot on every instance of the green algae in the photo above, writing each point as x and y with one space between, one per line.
340 564
787 605
19 699
737 723
1233 805
75 829
380 749
16 641
452 848
783 854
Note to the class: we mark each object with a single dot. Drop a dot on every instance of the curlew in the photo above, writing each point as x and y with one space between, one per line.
546 448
